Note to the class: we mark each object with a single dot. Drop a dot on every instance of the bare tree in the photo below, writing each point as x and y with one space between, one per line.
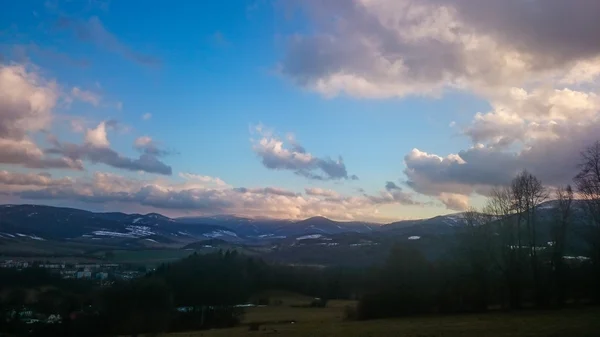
587 182
528 193
477 256
564 200
501 209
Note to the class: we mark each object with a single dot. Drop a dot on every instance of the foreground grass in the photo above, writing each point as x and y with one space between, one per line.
581 322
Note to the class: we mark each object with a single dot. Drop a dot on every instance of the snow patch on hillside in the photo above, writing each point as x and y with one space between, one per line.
219 233
311 236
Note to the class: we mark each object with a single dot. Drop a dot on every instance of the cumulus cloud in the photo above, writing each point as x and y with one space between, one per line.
26 103
277 155
554 160
97 137
455 202
96 149
540 78
93 31
387 48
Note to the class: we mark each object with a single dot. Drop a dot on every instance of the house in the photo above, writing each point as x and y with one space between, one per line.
86 274
101 276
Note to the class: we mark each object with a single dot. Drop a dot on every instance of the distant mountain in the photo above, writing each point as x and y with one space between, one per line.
31 228
279 229
41 223
243 226
322 225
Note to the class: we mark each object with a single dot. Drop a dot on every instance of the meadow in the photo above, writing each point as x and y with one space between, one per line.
330 321
580 322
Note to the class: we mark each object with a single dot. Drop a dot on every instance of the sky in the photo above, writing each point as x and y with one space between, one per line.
368 110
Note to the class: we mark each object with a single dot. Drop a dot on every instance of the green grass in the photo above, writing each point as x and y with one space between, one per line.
581 322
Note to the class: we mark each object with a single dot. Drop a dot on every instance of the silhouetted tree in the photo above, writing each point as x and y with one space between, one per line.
559 240
587 182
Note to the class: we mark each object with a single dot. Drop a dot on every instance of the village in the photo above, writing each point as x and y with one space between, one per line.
103 273
98 274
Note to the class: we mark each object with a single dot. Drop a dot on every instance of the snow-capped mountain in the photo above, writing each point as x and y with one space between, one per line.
54 223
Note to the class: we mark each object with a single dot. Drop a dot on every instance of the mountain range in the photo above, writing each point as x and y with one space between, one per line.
26 228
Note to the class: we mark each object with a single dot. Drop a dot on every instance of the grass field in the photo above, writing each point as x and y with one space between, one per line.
581 322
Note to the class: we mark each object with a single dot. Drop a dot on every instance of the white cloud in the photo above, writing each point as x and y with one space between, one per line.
26 101
315 191
97 137
146 116
31 179
455 202
277 155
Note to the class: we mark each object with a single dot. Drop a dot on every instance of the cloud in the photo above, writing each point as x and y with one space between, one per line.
552 159
147 145
96 149
393 194
205 195
455 202
197 177
277 155
391 186
266 190
146 116
93 31
319 192
28 154
26 103
31 179
395 48
85 96
97 137
540 78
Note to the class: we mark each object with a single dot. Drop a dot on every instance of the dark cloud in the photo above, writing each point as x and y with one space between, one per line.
391 186
537 27
403 47
553 160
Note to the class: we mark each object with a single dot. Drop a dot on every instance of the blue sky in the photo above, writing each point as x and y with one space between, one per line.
207 73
